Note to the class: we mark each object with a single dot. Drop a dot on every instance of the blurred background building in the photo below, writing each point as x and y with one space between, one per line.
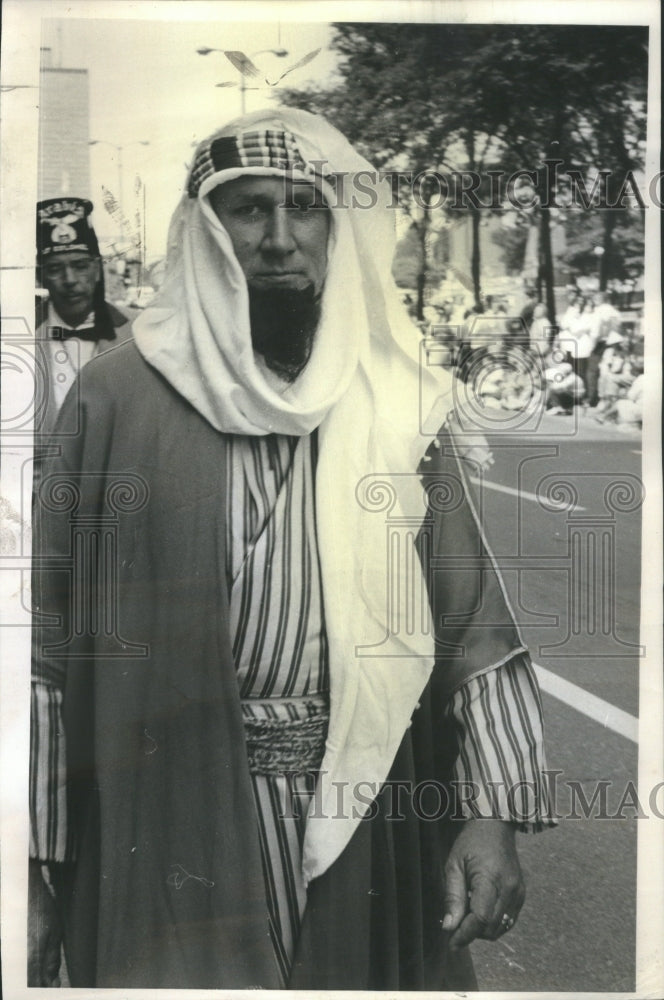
64 130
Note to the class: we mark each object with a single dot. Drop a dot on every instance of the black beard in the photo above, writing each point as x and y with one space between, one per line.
283 324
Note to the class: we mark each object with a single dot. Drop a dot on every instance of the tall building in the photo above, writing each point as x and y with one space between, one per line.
64 131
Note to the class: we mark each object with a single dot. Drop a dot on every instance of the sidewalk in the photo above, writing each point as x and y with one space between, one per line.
493 420
586 428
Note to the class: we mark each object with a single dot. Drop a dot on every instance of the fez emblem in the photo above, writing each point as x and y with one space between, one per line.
63 231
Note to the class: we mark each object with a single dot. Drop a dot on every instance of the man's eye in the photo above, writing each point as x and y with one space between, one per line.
77 267
248 211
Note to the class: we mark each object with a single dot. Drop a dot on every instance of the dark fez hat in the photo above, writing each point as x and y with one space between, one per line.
64 224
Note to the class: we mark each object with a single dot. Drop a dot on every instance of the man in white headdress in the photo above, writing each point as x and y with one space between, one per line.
265 738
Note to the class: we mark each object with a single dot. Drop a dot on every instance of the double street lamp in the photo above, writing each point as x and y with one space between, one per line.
244 65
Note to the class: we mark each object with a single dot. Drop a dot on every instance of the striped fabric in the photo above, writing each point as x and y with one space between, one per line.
500 768
281 809
48 799
279 643
277 628
280 648
267 148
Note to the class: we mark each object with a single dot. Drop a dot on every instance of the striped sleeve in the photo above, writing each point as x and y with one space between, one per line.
500 771
48 800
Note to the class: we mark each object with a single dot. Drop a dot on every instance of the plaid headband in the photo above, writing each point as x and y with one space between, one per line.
268 148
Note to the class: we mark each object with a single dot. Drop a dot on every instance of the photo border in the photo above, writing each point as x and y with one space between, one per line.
20 75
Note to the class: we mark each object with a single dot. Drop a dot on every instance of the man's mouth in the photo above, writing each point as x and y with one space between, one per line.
279 277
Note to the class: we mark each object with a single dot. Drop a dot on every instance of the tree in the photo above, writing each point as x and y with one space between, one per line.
536 98
409 265
513 244
613 133
393 103
587 230
575 94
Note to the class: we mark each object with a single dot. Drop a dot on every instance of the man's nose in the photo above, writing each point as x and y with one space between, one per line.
70 275
278 236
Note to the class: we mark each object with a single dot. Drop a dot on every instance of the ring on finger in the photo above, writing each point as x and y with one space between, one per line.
507 922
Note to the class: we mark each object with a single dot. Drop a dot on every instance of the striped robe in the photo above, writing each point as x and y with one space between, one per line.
280 650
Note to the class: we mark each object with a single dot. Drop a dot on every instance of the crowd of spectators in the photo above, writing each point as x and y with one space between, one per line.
511 358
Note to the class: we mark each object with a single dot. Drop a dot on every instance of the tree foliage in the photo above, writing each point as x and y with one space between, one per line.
454 97
513 245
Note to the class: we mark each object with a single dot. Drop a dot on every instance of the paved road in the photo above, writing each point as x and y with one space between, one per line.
573 576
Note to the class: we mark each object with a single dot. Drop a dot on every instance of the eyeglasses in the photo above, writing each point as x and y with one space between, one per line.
58 269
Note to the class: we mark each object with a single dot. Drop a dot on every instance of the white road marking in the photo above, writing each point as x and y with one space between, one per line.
571 694
588 704
517 493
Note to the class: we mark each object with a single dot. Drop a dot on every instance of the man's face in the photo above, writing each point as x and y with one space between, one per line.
70 279
279 239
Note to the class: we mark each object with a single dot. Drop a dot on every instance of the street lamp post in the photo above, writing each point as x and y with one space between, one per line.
279 53
119 149
123 224
599 253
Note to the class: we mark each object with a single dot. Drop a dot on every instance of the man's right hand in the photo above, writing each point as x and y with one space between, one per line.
44 931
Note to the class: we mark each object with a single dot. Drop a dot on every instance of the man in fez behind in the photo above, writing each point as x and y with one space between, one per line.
75 323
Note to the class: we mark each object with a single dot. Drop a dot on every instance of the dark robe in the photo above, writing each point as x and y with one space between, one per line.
167 890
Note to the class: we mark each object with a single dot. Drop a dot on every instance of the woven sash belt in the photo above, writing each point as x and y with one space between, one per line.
277 745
